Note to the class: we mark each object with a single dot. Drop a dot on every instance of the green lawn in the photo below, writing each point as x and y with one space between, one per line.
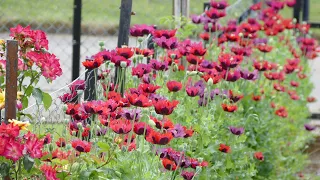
105 13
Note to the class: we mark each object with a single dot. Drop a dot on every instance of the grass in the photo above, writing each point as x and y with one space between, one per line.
103 14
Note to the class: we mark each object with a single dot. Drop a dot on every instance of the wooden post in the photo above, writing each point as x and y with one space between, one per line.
123 37
177 11
11 80
76 38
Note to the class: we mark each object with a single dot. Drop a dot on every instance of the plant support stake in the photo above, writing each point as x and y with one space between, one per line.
11 80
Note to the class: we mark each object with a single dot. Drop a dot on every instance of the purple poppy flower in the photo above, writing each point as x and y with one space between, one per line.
196 19
159 66
78 85
131 114
245 74
309 127
165 43
206 64
260 41
178 131
156 97
140 30
236 131
101 132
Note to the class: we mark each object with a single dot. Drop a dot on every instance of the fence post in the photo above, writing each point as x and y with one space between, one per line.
305 12
123 37
76 38
185 7
296 10
11 80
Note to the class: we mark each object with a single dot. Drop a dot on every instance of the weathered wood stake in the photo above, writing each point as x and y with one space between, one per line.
11 80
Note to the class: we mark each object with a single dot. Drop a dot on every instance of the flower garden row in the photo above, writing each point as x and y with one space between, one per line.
231 105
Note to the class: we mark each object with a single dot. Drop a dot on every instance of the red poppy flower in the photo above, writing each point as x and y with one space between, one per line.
224 148
165 123
215 13
192 59
259 156
264 48
205 36
256 97
92 64
256 6
192 91
164 33
233 37
139 100
229 61
279 87
229 107
234 97
187 175
164 107
68 97
141 128
294 83
148 88
81 146
169 164
197 49
140 70
121 126
232 76
219 4
146 52
165 43
311 99
282 112
61 142
214 77
156 137
126 52
174 86
188 132
262 65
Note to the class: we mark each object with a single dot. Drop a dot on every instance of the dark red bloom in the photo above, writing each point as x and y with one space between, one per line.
264 48
174 86
256 97
148 88
139 100
229 61
93 63
164 33
215 13
68 97
234 97
164 107
140 70
187 175
294 83
259 156
165 43
262 65
192 91
81 146
125 52
156 137
221 4
229 107
61 142
140 30
311 99
169 164
197 49
282 112
309 127
121 126
205 36
232 76
224 148
279 87
192 59
165 123
146 52
141 128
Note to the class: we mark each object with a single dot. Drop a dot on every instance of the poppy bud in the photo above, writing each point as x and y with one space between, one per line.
101 43
140 39
50 147
210 81
111 65
123 64
79 125
151 123
68 146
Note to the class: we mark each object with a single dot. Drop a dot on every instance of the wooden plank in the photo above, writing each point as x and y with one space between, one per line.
11 80
185 8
